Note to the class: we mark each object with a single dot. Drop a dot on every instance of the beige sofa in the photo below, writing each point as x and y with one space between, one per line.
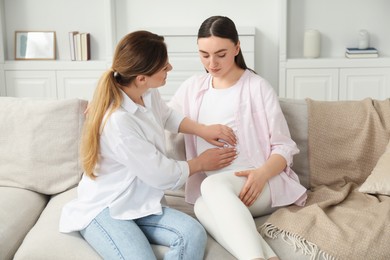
39 170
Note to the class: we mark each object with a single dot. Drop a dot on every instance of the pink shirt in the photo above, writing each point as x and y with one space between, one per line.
261 129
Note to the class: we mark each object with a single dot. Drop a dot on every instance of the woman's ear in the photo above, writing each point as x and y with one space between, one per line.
238 47
140 80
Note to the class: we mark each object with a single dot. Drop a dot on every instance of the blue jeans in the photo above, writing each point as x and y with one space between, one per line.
131 239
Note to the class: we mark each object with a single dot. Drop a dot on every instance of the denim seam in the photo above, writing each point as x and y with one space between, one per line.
105 233
172 230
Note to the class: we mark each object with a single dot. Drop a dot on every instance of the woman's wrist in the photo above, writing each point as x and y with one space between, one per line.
199 130
189 126
194 165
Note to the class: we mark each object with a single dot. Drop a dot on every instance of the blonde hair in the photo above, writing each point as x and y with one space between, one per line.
138 53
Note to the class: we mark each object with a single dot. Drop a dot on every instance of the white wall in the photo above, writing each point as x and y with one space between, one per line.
261 14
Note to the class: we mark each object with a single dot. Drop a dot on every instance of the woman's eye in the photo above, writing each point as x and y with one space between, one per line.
221 56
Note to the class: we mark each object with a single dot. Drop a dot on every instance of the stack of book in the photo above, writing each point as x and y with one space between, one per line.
370 52
80 48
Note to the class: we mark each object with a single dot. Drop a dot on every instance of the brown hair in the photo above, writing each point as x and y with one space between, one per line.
223 27
138 53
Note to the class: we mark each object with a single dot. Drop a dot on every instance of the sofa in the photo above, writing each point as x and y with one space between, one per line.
40 170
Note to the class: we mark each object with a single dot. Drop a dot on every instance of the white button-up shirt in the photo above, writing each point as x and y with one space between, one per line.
133 170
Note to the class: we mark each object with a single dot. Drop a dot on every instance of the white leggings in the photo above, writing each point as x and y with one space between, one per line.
228 220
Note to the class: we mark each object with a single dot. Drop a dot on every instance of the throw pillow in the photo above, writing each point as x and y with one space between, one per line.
379 180
39 142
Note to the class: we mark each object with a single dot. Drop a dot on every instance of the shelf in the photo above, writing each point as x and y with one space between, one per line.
56 65
333 76
63 17
338 23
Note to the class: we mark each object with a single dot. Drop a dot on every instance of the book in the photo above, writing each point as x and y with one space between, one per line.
77 45
85 46
359 51
72 45
361 55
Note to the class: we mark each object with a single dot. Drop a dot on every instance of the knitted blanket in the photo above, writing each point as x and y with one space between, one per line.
345 141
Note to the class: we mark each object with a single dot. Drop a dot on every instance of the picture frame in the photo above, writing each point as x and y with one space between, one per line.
35 45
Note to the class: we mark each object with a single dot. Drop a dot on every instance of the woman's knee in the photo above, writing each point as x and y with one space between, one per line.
190 229
212 184
200 209
192 241
221 183
198 233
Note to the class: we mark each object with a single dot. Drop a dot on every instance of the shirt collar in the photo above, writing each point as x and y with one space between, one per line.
130 106
205 87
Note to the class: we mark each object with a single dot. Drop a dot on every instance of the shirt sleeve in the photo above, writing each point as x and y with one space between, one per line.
280 138
172 118
144 159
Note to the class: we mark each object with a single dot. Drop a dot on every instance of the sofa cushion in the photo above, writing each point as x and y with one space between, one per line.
19 211
44 241
378 182
39 142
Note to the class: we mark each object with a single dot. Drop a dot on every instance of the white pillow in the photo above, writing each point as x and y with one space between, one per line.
39 143
378 182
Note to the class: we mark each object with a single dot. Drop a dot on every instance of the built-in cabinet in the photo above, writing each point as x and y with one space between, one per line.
63 78
332 76
321 84
41 79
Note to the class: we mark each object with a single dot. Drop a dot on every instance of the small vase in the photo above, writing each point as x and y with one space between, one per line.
364 39
312 44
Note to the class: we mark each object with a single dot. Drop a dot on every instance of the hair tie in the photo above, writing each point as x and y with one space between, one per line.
117 76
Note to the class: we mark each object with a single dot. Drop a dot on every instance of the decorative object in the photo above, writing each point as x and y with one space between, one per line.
364 39
34 45
80 45
312 44
369 52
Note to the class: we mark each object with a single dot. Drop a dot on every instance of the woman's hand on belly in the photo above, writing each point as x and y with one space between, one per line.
212 159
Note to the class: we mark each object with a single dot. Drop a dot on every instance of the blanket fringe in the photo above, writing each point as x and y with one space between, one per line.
298 242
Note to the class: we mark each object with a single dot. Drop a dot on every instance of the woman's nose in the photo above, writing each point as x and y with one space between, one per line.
213 61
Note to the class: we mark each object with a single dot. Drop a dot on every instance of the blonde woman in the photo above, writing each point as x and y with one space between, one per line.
118 209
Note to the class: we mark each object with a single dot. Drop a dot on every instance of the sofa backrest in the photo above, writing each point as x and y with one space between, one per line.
39 143
295 112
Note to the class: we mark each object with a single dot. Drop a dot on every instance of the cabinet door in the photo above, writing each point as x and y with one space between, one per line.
37 84
360 83
77 84
318 84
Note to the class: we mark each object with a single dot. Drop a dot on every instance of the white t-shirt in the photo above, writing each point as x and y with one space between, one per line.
219 107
